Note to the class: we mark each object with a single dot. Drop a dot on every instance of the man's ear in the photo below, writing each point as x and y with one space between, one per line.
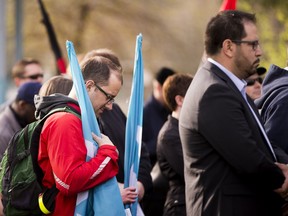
21 103
228 47
179 100
89 84
21 107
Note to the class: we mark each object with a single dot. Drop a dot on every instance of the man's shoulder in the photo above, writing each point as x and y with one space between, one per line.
63 119
7 115
5 104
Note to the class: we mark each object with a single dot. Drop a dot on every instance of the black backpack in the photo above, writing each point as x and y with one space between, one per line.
20 175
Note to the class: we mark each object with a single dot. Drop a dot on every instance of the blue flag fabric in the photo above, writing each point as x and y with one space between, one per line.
97 201
133 136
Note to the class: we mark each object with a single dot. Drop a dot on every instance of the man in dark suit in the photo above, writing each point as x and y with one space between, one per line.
229 163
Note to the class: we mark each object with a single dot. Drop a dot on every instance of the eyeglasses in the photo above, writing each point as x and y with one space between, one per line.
110 98
33 77
251 82
255 44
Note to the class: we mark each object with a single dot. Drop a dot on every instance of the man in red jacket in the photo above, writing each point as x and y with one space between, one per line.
62 150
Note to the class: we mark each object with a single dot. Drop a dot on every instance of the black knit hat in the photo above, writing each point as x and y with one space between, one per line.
261 70
163 73
27 91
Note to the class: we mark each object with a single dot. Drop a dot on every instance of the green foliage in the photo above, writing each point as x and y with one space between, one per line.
272 18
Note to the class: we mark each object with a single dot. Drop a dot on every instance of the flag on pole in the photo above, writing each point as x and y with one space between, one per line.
134 125
228 5
104 199
61 66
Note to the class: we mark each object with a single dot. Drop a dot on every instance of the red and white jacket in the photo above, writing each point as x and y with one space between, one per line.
62 158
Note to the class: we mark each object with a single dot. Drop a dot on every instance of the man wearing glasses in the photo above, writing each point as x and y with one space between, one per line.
254 83
25 70
62 149
229 164
109 99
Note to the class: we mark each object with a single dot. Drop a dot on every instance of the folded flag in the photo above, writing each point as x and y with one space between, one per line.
97 201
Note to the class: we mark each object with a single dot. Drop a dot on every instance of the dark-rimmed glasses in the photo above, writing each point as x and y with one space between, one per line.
33 77
110 98
251 82
255 44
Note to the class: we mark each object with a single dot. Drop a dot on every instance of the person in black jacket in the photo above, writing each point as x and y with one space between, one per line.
169 149
113 123
273 105
155 113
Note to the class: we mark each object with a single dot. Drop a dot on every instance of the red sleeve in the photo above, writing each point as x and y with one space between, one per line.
65 146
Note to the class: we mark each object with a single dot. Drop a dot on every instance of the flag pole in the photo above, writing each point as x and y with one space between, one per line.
60 62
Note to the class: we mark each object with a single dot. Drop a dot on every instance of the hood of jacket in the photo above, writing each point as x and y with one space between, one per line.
44 104
275 80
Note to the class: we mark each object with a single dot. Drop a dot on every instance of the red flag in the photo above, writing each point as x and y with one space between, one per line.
228 5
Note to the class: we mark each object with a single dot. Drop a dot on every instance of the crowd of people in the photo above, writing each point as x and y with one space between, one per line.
212 144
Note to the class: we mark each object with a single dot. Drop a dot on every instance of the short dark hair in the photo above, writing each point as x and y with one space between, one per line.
228 24
163 73
174 85
99 69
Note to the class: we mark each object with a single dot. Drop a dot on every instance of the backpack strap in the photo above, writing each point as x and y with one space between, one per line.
24 154
67 108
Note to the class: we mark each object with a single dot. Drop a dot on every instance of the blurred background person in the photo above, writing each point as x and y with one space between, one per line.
18 114
155 113
274 105
25 70
169 148
254 83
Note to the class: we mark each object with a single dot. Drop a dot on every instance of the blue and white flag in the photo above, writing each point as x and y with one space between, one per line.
104 199
133 136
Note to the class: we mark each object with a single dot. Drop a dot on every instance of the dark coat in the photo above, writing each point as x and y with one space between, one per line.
229 168
274 105
170 159
154 116
113 124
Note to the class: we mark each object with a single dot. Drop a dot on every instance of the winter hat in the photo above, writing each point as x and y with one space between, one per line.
261 70
27 91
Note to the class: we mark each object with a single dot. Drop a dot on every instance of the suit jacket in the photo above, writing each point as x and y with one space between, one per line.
229 168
